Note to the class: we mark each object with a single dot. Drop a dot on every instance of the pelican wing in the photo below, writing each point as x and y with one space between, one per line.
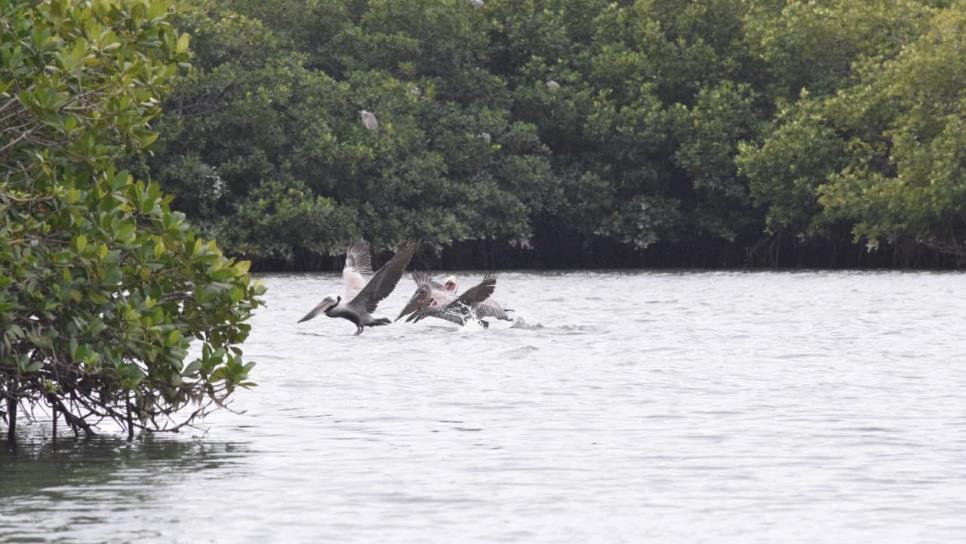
479 292
384 280
423 278
357 270
419 300
429 297
453 312
462 308
460 318
492 308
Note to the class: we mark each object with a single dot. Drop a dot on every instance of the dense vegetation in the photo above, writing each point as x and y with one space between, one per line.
102 286
575 132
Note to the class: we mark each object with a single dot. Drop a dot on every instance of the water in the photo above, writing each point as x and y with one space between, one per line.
696 407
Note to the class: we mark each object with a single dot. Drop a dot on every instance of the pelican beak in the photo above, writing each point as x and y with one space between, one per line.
323 306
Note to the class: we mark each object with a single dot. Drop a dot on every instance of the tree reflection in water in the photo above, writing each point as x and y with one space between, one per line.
69 484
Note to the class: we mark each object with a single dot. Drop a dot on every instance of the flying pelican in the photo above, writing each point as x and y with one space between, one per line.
451 308
432 299
369 120
428 294
485 308
363 289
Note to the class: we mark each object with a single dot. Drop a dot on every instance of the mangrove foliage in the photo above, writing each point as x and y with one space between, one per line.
574 132
102 285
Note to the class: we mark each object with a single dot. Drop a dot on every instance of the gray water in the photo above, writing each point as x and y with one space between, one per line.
695 407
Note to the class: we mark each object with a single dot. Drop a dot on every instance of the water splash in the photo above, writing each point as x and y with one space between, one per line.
521 323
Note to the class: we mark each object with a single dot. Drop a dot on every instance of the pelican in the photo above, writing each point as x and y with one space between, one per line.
485 308
429 294
369 120
363 290
432 299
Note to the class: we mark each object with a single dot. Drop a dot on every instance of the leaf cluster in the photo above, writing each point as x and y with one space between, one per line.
643 123
103 287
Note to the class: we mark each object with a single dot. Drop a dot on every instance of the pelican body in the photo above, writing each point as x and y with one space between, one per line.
484 308
363 290
432 299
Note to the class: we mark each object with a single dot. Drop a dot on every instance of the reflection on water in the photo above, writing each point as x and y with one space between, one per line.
95 489
718 407
31 465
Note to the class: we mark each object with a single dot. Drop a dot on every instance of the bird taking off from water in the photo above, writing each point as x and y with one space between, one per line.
369 120
485 308
432 299
364 290
429 296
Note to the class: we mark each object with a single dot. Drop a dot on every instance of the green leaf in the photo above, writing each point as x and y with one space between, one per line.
182 43
191 369
41 341
174 338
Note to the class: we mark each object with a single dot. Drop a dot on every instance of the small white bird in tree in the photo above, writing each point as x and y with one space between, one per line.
369 120
553 85
477 3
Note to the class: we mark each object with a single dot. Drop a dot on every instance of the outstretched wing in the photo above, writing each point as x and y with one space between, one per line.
357 270
461 309
384 280
492 308
419 300
429 297
479 292
424 278
460 318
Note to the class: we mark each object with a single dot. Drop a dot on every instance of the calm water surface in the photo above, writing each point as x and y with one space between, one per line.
698 407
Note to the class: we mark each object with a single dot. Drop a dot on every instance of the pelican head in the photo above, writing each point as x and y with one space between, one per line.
450 284
329 302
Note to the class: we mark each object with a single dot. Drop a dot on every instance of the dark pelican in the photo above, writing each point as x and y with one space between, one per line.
486 308
432 299
363 289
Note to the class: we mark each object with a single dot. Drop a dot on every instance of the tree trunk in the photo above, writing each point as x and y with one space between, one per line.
130 422
11 418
